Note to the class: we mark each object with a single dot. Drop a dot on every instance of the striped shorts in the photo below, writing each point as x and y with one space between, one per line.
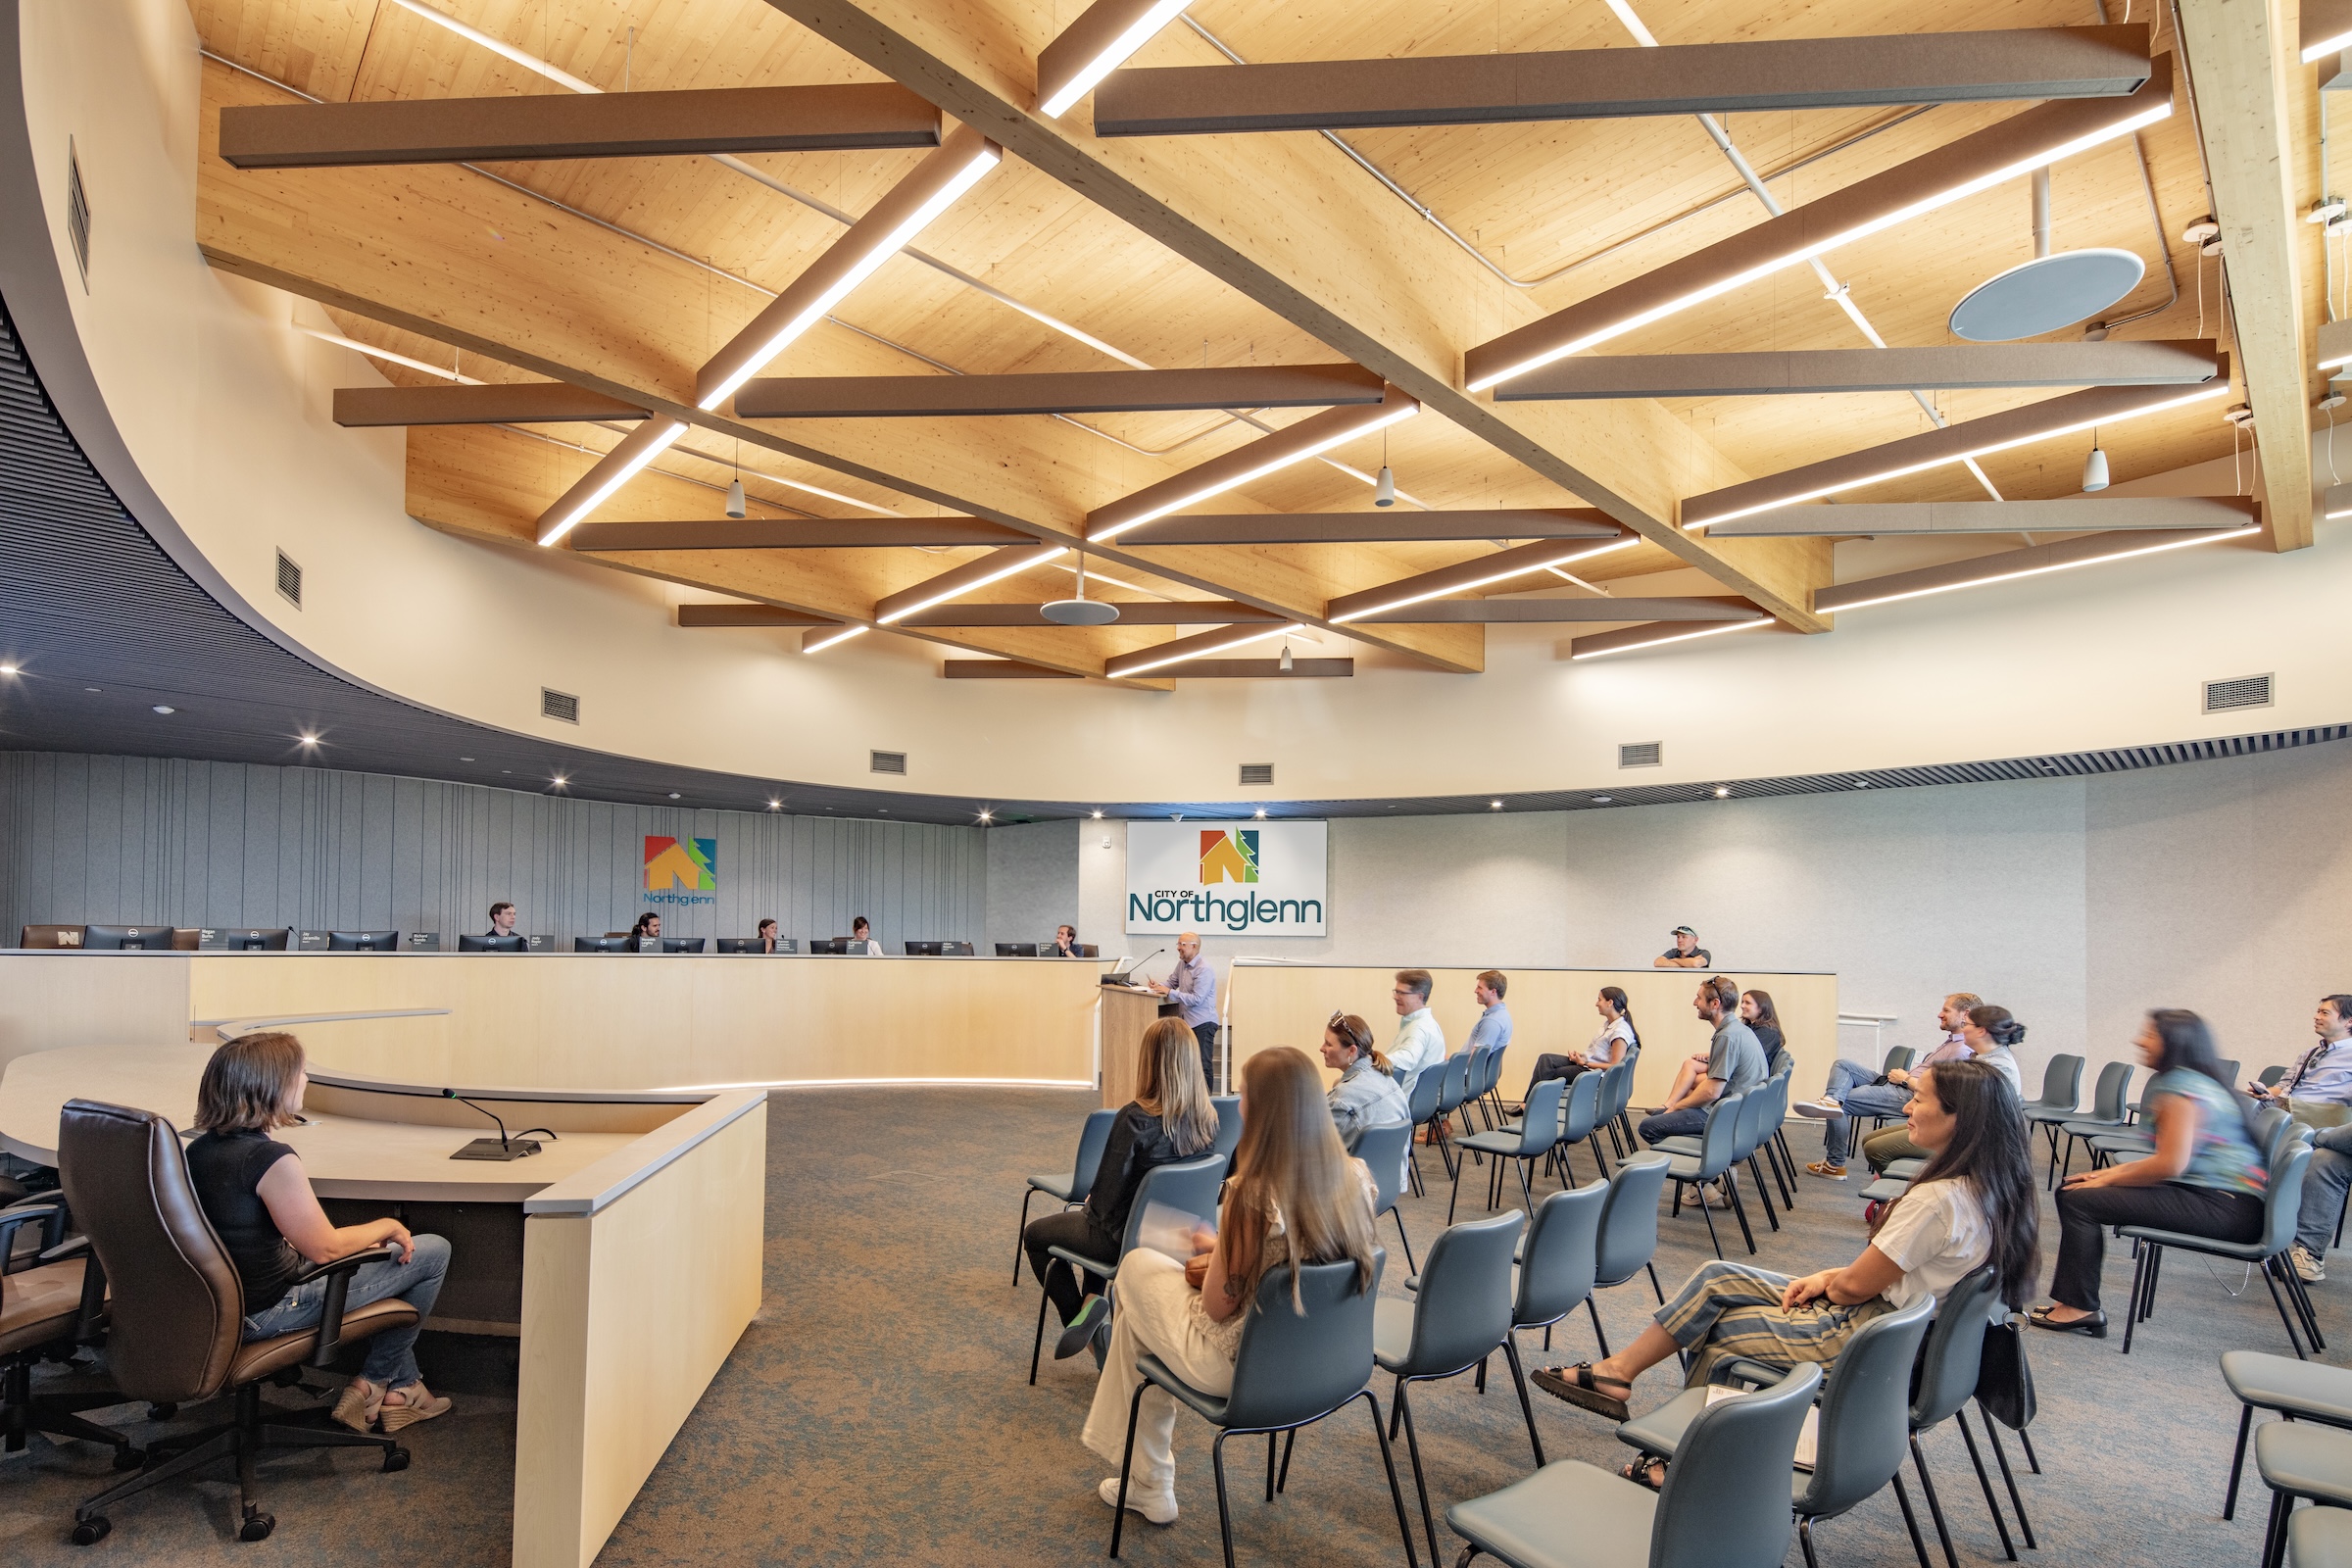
1728 1310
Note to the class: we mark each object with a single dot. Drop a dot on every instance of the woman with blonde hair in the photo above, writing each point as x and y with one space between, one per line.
1170 1118
1294 1197
257 1195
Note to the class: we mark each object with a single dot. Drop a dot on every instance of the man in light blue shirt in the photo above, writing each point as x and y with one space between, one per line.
1492 1031
1420 1044
2321 1079
1192 986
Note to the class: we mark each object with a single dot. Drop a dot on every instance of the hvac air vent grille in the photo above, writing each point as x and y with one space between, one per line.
1257 772
2241 691
77 213
888 763
558 705
1641 753
290 581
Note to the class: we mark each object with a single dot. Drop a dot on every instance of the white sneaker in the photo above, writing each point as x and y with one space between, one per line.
1818 1109
1156 1507
2310 1269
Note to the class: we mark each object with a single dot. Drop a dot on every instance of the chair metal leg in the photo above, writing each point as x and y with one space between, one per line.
1022 1234
1804 1538
1730 1184
1526 1189
1118 1515
1707 1214
1511 1348
1388 1464
1926 1484
1290 1440
1412 1170
1902 1496
1992 1436
1217 1460
2274 1534
1038 1344
2294 1339
2301 1296
2139 1276
1991 1504
1763 1193
1270 1467
2238 1462
1457 1195
1398 1215
1412 1447
1598 1332
2024 1441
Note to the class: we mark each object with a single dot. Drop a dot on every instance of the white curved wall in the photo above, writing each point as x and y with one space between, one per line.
211 416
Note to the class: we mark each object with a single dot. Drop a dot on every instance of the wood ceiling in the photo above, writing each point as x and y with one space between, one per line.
623 276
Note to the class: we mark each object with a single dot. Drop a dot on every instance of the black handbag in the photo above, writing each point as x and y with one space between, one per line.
2004 1378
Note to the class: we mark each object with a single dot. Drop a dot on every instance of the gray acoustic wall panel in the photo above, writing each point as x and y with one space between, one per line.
114 839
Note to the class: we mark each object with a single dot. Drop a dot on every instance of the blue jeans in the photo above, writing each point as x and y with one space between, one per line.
1674 1124
391 1355
2326 1181
1850 1085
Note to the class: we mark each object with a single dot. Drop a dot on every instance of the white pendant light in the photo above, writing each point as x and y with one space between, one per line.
1285 660
2095 467
1384 494
735 506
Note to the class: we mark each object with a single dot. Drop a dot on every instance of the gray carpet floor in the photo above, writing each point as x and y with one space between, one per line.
878 1410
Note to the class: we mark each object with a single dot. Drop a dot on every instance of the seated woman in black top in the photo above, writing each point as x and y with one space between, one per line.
254 1191
1170 1118
1765 1019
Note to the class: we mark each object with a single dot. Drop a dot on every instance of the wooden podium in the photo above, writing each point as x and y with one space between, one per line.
1127 1011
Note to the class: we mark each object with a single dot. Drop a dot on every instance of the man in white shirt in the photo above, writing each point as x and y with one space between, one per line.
1420 1044
2321 1079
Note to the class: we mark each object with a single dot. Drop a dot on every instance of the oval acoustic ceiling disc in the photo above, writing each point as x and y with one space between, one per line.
1080 613
2045 294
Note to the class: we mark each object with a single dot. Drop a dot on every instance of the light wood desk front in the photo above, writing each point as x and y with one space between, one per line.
1551 1012
640 1229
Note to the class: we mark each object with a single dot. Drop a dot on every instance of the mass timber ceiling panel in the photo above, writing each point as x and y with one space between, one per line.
1315 245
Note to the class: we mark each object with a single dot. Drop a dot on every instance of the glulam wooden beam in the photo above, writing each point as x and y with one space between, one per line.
793 534
1390 525
2242 56
1764 75
1942 367
2031 562
1872 519
1132 613
692 617
1994 432
1518 562
1549 611
888 397
838 117
499 403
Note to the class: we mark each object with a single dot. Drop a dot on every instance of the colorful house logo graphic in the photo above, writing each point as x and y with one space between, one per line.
681 871
1227 854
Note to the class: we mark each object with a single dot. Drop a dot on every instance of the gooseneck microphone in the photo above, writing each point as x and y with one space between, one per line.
1140 962
502 1147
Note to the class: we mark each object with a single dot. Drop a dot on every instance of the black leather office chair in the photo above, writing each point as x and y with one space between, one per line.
176 1309
51 1299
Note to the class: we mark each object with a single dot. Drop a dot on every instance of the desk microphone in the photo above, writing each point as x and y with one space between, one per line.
501 1148
1129 976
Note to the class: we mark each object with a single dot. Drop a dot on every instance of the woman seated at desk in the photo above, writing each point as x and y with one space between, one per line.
258 1197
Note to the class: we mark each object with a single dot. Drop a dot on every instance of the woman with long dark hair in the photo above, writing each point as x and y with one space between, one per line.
1973 1202
1755 1007
1608 1047
2205 1177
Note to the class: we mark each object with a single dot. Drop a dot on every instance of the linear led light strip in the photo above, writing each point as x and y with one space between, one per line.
1218 487
833 640
1675 637
2202 394
1580 553
959 590
1257 634
1156 16
375 353
1820 247
638 447
2062 566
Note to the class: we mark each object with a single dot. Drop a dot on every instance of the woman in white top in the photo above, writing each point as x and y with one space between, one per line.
1295 1195
1974 1201
1608 1047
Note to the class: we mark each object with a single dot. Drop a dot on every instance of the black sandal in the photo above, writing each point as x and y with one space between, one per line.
1580 1388
1649 1474
2095 1325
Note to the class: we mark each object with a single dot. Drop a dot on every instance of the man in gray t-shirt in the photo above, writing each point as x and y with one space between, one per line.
1735 1064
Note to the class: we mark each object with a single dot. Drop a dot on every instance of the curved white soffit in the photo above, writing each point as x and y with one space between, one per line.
33 283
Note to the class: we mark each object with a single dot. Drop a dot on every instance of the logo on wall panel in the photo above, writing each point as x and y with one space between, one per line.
681 871
1255 878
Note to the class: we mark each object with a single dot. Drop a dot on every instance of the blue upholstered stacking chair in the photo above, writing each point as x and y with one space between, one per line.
2281 1203
1188 1187
1557 1265
1718 1158
1229 1124
1421 1104
1537 1131
1071 1189
1629 1233
1382 1150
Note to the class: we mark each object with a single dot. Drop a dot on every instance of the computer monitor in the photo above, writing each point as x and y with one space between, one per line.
833 945
922 950
1086 950
128 937
955 949
752 945
362 941
682 943
467 941
257 941
1016 950
600 944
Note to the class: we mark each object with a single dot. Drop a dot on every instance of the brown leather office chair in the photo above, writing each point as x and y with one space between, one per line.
176 1311
50 1302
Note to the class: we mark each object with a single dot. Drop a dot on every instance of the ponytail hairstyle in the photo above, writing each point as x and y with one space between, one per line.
1996 1022
638 930
1989 1150
1349 1030
1614 996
